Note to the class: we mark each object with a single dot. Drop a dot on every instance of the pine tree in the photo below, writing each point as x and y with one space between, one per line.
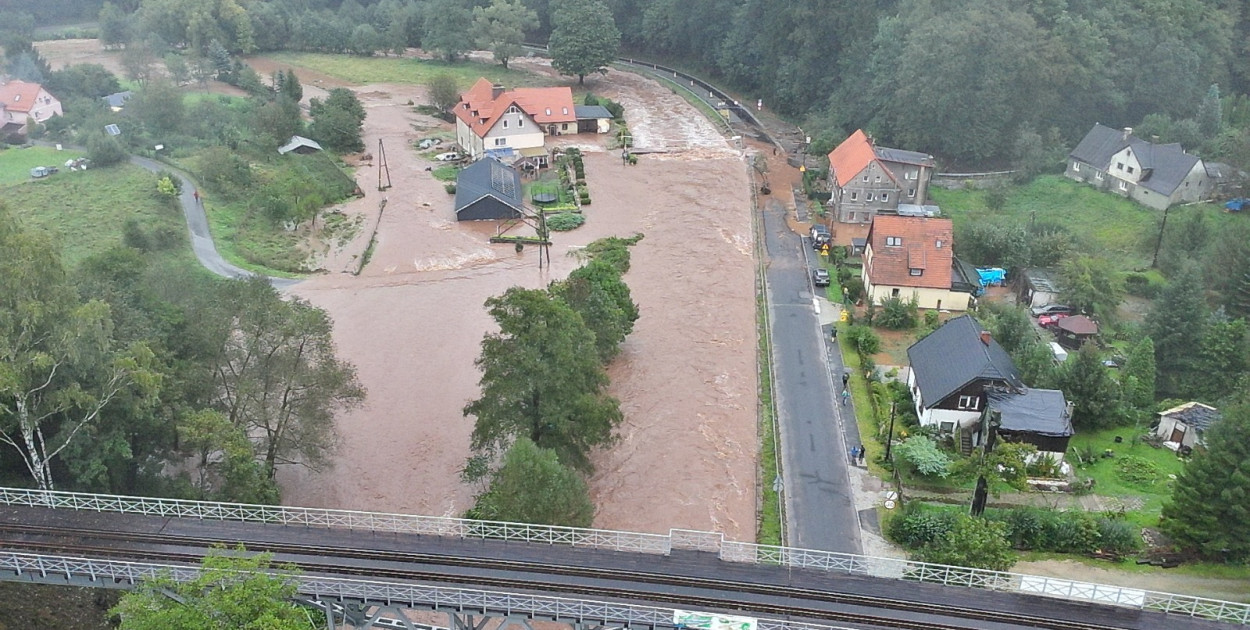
1210 507
1177 324
1139 375
1210 117
1085 381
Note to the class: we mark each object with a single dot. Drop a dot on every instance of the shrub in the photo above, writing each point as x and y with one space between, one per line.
133 236
918 525
854 289
1026 526
1137 471
1118 536
104 150
450 187
931 319
565 221
863 340
1142 285
923 455
633 159
898 315
971 542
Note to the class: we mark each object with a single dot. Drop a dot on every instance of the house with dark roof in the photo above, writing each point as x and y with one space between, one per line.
1155 175
1041 417
299 144
489 117
1073 332
951 371
1037 287
912 257
592 118
488 190
22 103
867 180
1183 426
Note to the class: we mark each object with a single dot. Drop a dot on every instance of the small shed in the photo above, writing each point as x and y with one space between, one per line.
1037 287
1073 332
488 190
299 144
592 118
117 100
858 245
1183 426
1041 417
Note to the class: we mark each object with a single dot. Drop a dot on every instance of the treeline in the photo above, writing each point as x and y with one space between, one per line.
543 406
126 376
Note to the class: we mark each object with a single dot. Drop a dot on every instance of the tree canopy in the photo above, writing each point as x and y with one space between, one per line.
532 486
1210 507
584 39
501 27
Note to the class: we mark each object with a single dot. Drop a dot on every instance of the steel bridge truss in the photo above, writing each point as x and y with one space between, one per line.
661 544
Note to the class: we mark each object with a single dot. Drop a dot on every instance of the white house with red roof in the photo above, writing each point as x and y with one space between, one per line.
867 180
912 257
491 118
21 103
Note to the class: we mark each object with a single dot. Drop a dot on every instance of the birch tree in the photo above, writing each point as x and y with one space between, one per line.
59 368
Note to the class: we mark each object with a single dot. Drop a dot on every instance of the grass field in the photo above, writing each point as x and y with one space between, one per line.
84 211
15 164
362 70
1105 471
1102 222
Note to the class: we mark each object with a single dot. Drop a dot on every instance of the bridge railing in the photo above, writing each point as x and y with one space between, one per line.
662 544
114 573
342 519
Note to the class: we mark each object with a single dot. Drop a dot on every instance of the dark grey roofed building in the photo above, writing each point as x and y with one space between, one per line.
903 156
488 190
117 100
1156 175
1184 426
1041 417
591 111
964 277
952 367
592 118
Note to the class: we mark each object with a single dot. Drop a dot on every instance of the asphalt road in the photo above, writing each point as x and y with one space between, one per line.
817 493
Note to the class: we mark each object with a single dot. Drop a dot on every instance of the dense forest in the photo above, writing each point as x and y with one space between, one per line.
964 81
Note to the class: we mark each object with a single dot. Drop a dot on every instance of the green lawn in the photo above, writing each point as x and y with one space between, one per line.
1109 481
1102 222
362 70
85 211
15 163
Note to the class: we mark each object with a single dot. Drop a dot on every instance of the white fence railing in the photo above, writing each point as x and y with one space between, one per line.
712 542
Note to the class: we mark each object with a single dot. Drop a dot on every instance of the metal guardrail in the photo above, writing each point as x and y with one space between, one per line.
39 568
712 542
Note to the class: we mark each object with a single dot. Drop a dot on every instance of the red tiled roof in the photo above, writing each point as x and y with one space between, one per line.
19 96
852 156
480 109
892 264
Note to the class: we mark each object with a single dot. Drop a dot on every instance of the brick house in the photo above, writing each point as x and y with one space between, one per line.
912 257
867 180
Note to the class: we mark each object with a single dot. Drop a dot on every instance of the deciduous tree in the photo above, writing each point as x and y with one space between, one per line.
443 91
541 379
584 38
598 294
277 377
232 591
1092 285
447 24
971 542
501 27
532 486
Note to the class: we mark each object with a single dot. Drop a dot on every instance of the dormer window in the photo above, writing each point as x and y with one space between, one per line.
548 111
566 110
894 241
916 272
939 243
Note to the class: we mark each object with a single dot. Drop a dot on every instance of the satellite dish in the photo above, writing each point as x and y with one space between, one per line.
112 130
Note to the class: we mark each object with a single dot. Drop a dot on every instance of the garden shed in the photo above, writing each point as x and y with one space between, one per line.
1041 417
592 118
1183 426
488 190
1073 332
1037 287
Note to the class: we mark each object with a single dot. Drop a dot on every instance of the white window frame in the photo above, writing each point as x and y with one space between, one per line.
505 123
915 272
1123 185
501 142
854 195
1098 175
1076 167
868 197
969 403
911 192
885 196
894 241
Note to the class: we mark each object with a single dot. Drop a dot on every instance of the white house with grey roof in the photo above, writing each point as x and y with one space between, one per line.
1155 175
952 368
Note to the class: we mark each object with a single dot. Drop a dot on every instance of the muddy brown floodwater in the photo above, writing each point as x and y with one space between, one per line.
413 320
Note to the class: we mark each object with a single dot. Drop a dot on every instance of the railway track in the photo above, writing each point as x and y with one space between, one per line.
683 591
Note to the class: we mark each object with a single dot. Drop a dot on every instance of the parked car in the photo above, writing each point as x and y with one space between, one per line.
1051 309
820 277
820 236
1047 321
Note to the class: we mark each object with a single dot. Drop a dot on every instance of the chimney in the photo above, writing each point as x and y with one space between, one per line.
1128 131
986 337
495 91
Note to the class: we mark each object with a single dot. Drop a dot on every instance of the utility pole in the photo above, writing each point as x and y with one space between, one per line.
1154 263
990 428
383 167
889 440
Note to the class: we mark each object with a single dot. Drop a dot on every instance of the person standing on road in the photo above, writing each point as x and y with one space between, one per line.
845 396
861 454
846 377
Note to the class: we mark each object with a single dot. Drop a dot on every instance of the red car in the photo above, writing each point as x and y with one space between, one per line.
1047 321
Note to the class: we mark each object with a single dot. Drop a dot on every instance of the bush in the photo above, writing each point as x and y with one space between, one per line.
104 150
450 188
854 289
1142 285
923 455
1118 536
918 525
898 315
134 237
863 340
565 221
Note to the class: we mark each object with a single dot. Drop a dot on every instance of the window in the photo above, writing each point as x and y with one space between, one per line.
1098 175
894 241
566 110
916 272
548 110
1123 185
911 192
865 179
893 292
910 175
939 243
947 427
1119 166
501 142
1130 170
520 122
969 402
868 197
885 196
564 126
854 195
505 123
513 110
1076 167
878 179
